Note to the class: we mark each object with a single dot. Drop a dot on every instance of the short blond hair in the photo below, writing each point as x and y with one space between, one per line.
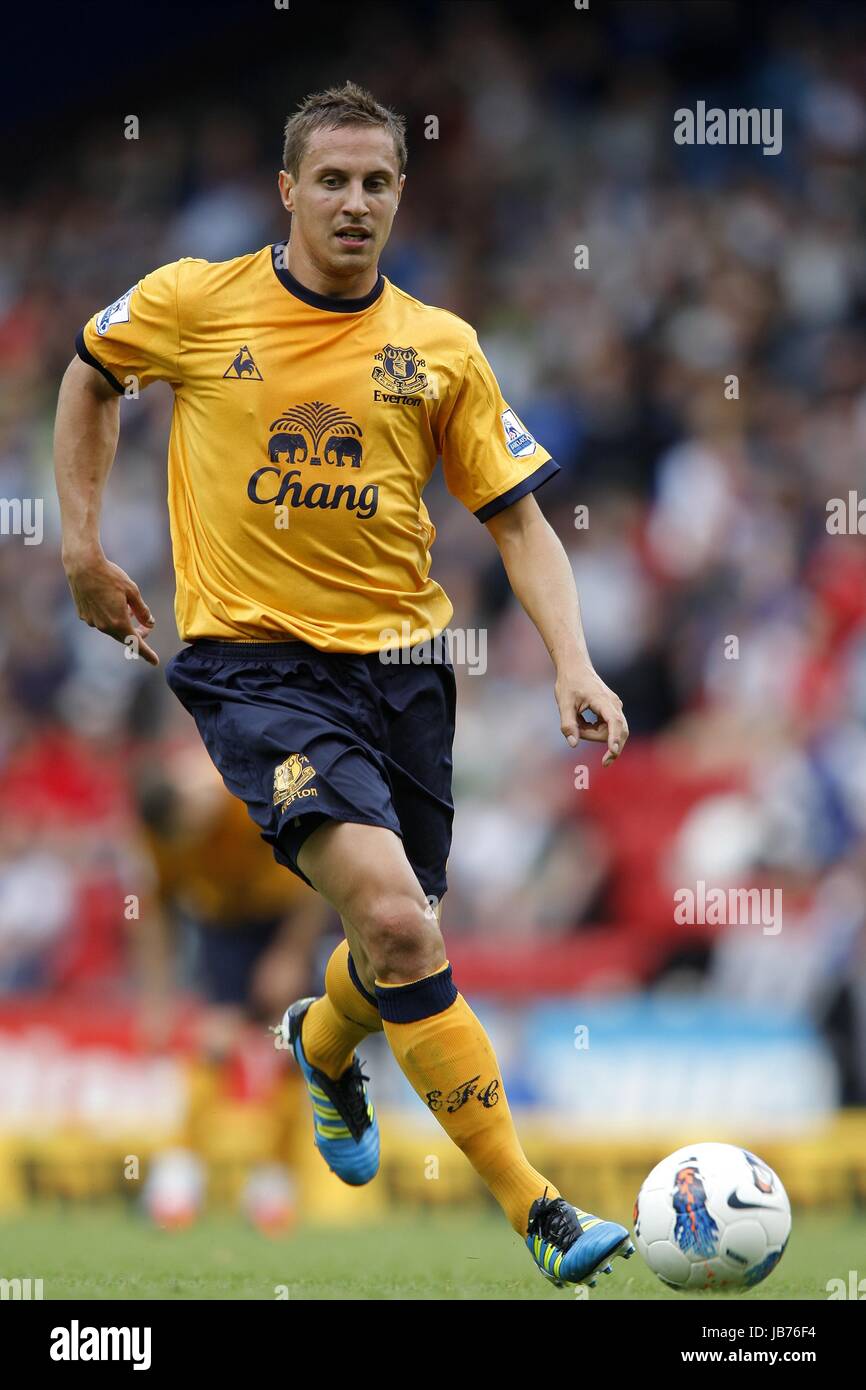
339 106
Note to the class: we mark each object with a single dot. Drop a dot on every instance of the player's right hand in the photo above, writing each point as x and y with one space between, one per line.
107 599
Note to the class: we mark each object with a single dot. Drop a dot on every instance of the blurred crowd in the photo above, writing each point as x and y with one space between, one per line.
702 383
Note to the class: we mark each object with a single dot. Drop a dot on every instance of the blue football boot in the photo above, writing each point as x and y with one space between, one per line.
345 1127
570 1246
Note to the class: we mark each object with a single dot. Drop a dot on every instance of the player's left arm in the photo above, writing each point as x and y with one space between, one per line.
541 577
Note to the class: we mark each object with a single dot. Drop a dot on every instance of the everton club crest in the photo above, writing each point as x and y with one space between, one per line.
400 372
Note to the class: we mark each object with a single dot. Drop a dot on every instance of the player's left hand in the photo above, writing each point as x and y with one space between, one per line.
582 691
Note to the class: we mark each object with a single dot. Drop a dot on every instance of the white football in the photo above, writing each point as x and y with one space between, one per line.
712 1216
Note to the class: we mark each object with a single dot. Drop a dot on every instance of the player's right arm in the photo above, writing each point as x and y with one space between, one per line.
85 441
136 339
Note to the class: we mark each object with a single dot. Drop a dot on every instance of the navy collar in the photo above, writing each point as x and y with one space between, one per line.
323 301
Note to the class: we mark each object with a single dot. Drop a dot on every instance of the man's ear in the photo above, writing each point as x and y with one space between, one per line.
286 186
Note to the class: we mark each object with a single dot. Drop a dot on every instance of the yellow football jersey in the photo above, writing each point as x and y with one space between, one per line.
304 431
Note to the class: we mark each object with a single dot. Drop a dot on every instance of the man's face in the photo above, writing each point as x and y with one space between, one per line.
345 197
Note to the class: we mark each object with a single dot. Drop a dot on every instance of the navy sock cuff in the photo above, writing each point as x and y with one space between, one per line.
356 981
421 999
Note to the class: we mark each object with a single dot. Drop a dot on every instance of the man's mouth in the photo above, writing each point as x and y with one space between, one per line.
353 236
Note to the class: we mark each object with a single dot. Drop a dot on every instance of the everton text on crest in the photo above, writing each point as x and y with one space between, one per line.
400 374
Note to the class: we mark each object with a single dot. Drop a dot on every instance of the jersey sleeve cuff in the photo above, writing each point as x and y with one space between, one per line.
87 356
548 470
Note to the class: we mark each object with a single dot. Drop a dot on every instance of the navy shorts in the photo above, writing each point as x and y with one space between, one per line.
304 736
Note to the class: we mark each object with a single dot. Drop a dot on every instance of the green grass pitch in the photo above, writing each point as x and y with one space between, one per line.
88 1253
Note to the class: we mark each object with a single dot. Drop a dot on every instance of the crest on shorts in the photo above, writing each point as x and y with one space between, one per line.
400 371
291 778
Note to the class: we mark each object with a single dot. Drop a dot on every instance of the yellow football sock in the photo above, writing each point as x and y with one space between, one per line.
337 1022
446 1055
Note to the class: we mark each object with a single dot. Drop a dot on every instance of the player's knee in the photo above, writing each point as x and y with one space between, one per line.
402 938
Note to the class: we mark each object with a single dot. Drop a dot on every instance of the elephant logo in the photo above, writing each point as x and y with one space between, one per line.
294 446
400 370
301 429
341 447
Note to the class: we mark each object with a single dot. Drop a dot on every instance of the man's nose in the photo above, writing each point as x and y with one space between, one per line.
356 199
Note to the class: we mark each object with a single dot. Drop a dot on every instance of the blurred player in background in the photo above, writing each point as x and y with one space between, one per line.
248 933
312 399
